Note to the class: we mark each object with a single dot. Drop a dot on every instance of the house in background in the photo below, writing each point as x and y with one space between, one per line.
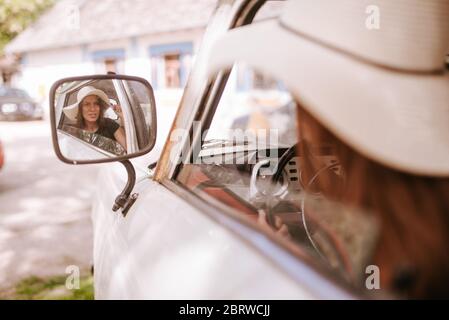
153 39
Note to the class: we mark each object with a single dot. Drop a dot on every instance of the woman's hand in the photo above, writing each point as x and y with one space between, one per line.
279 227
118 110
120 137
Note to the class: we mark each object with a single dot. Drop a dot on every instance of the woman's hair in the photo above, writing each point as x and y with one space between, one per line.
100 121
412 251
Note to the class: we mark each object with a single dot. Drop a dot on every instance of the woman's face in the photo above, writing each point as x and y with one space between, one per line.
90 107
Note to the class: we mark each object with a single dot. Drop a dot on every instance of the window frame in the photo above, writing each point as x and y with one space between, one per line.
104 57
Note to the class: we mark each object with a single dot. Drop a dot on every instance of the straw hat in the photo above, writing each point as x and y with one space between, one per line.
380 86
71 111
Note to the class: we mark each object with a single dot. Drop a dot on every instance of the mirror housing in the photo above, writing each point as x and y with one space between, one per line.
104 118
70 93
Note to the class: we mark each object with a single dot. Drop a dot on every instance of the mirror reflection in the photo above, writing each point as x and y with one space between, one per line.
103 118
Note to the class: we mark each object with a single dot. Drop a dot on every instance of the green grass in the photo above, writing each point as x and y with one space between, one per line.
54 288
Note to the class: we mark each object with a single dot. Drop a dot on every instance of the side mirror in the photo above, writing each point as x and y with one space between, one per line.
103 118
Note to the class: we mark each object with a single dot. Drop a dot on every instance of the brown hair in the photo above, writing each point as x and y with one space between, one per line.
100 121
412 252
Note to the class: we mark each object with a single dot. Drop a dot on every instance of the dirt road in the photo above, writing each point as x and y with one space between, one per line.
44 206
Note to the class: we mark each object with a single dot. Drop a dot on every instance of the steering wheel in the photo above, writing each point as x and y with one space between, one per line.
311 226
283 161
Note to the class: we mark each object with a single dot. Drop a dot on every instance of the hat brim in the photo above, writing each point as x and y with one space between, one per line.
395 118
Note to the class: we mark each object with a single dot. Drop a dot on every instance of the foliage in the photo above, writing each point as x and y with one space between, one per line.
16 15
35 288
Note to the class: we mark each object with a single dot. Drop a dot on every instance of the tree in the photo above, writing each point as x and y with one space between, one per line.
16 15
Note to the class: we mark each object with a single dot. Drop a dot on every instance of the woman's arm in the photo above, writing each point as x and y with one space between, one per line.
120 136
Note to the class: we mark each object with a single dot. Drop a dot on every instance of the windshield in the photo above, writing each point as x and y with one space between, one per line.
253 107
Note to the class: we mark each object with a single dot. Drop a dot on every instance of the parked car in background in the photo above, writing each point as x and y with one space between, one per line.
16 104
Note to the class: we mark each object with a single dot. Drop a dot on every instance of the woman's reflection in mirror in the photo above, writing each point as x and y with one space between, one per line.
88 111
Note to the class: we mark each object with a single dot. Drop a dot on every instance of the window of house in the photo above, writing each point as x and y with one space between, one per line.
110 60
110 65
170 64
172 70
247 79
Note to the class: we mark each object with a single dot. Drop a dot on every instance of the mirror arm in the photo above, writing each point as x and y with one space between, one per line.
125 199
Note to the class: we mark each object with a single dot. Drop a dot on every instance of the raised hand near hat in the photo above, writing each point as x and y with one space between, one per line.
118 110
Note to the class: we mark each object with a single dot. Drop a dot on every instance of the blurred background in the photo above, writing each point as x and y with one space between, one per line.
45 204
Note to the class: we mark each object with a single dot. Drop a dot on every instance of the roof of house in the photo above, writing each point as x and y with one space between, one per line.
109 20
